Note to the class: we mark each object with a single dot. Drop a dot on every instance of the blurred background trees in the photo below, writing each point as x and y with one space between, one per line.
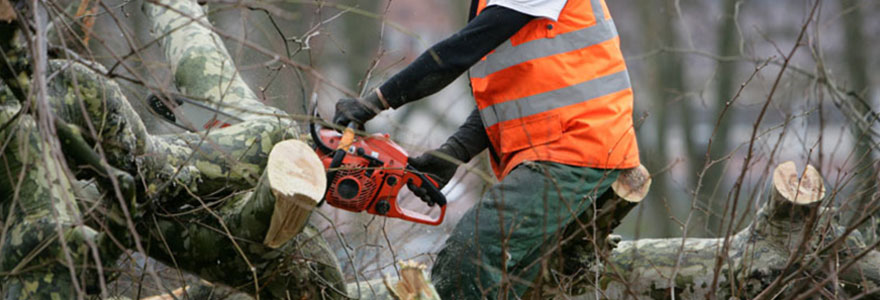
702 70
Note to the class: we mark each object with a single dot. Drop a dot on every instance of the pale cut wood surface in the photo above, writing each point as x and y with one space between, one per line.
296 177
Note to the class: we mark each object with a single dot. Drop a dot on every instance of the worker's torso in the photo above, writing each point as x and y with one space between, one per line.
558 91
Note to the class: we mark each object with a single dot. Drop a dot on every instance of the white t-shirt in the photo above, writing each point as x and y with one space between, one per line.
549 9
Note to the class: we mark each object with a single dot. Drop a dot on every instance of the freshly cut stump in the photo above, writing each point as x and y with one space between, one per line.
794 197
633 184
296 178
801 190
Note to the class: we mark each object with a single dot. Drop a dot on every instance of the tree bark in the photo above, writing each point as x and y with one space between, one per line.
44 240
781 243
194 185
205 202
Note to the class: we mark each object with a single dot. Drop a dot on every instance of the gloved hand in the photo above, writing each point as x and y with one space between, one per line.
440 164
437 165
358 111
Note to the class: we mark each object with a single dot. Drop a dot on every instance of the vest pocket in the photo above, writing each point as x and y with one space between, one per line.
529 132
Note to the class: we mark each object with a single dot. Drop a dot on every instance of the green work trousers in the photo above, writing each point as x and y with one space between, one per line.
501 244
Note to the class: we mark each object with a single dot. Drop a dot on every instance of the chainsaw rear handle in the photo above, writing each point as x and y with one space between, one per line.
431 187
416 217
414 177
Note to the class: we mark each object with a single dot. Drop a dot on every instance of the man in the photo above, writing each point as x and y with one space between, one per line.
554 108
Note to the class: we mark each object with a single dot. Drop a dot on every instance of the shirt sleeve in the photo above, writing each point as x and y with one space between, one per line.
549 9
451 57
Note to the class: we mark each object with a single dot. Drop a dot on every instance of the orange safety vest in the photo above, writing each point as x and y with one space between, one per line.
558 91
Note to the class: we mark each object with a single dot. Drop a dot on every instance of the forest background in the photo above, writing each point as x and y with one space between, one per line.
701 70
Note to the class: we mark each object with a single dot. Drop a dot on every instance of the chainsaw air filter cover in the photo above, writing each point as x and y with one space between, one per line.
352 189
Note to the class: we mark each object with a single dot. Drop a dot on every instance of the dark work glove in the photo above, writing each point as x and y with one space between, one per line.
358 111
440 164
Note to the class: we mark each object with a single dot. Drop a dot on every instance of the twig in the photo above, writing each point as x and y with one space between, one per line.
750 153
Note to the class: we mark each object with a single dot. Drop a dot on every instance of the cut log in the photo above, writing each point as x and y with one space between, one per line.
220 241
633 184
412 284
295 175
754 259
793 200
789 186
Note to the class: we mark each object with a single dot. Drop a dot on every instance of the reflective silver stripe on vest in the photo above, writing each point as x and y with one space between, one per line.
506 55
527 106
597 10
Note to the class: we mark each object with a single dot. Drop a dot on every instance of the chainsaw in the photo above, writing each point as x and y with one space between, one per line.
364 173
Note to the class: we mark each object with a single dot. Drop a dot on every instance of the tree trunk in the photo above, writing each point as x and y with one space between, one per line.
713 175
206 202
790 226
193 193
865 186
657 158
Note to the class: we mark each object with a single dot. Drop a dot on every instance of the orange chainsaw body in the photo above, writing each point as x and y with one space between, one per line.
370 174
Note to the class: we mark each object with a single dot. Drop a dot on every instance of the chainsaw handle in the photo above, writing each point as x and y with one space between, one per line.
431 187
414 178
347 136
339 153
417 217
